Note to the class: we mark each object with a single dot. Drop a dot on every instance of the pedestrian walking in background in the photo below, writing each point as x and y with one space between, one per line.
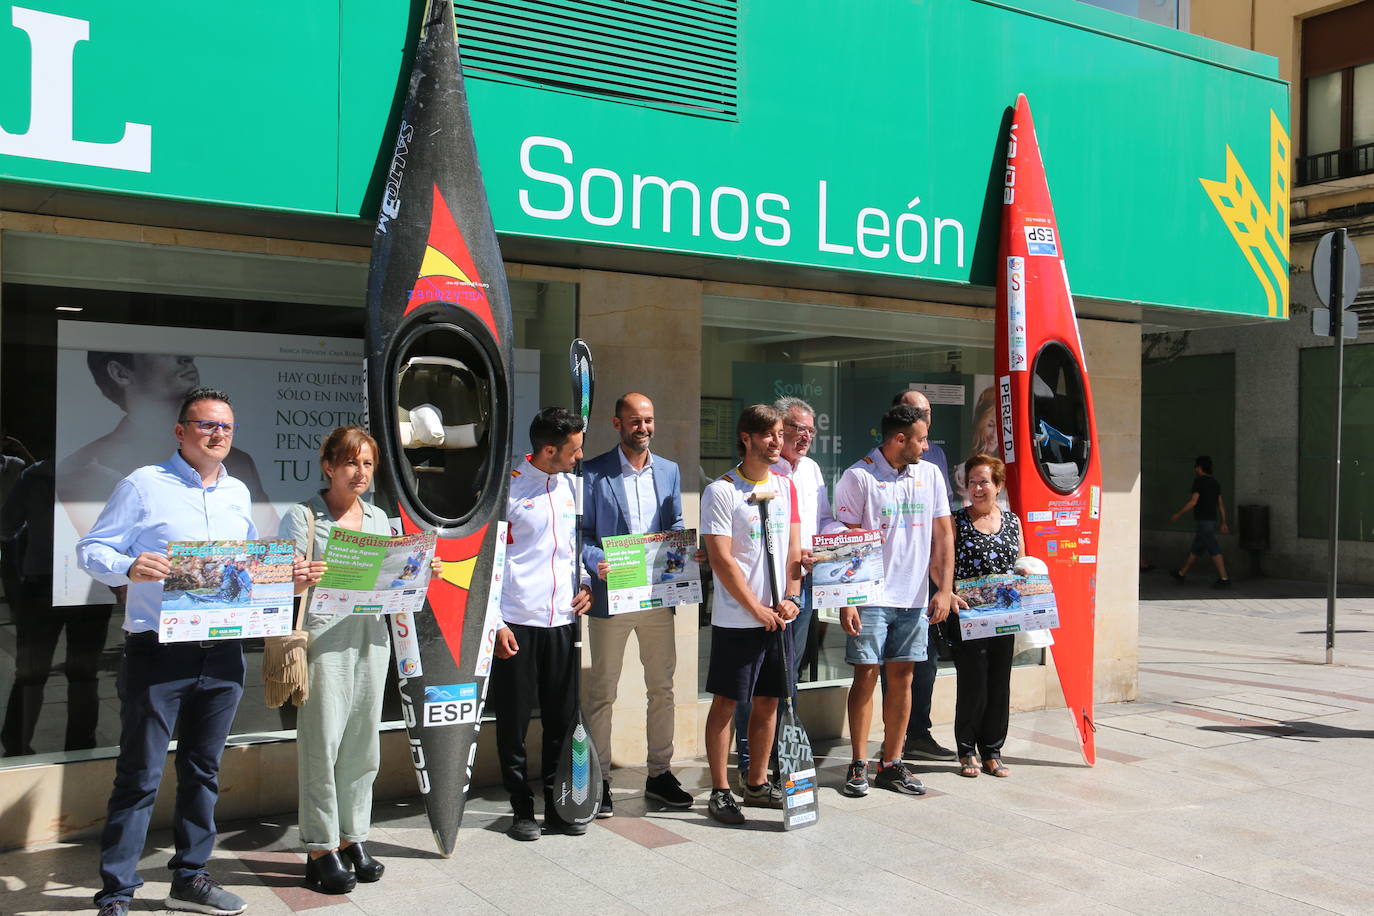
1209 518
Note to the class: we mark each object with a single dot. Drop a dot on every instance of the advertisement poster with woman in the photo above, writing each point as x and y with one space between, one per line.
119 388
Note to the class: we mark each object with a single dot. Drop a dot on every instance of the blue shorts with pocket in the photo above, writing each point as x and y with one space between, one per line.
888 634
1205 538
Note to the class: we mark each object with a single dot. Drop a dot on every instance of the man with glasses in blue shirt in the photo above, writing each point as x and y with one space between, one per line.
188 497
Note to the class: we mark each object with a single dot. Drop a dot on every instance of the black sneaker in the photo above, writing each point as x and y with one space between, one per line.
856 780
1176 574
722 807
925 747
203 894
555 824
666 789
897 778
768 795
114 908
606 809
524 829
1222 583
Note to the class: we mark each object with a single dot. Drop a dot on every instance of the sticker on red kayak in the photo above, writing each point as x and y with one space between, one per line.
1016 314
1008 438
1040 241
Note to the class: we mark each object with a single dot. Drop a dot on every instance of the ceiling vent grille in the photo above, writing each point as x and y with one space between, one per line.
679 55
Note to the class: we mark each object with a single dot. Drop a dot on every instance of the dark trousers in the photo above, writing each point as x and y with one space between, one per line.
984 681
199 685
923 686
800 633
541 673
37 626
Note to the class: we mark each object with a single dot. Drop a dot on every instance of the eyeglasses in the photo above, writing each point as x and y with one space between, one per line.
209 427
802 430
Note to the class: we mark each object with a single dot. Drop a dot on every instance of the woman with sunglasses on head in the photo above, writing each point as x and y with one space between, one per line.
337 741
987 541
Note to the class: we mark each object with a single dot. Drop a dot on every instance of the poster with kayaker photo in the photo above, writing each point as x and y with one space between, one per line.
227 590
1006 603
848 570
374 573
652 570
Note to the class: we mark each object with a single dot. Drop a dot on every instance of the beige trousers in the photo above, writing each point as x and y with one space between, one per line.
658 654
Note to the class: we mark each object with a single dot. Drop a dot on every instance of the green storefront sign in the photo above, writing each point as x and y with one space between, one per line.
863 139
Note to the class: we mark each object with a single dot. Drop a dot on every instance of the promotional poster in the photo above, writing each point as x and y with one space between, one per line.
227 590
119 388
1008 603
652 570
374 574
848 570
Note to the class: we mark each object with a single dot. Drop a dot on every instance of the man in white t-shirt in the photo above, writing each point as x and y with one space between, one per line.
919 740
891 490
813 509
746 649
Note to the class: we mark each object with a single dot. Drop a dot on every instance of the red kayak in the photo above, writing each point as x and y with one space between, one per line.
1047 429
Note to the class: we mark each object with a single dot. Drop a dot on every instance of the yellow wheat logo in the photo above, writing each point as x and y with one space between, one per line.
1261 233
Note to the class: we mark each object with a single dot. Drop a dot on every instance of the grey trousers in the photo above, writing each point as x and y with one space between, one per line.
654 631
338 748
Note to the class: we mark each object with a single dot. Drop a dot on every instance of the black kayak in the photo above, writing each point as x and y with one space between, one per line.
439 404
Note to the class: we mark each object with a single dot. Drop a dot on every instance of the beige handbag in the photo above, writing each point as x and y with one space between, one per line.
285 675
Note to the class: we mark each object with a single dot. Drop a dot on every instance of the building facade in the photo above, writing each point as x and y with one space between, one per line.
730 201
1260 398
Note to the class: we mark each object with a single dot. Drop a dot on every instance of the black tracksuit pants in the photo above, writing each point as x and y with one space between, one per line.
540 675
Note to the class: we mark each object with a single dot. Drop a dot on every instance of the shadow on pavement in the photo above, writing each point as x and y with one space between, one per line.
1293 729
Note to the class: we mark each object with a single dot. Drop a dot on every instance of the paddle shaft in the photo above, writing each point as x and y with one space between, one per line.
771 551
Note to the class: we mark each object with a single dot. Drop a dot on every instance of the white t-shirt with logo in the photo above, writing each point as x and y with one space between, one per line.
813 503
726 510
872 495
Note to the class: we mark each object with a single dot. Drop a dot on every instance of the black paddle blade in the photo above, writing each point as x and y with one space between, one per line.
798 770
577 781
583 377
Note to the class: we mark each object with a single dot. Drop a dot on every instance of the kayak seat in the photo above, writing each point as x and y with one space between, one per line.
1063 475
426 428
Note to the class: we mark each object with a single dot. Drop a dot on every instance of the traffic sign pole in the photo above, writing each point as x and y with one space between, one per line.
1337 300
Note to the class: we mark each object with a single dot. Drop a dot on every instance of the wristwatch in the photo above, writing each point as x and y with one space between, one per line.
795 599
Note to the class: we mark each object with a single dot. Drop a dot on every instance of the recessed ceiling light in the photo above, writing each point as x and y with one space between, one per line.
70 308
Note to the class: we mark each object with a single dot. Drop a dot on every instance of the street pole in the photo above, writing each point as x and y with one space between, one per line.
1337 324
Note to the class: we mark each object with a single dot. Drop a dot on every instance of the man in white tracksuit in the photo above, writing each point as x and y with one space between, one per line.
535 659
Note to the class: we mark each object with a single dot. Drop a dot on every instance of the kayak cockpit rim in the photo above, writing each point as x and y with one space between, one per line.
1060 432
446 410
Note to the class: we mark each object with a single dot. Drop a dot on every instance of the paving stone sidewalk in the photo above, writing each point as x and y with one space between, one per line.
1234 785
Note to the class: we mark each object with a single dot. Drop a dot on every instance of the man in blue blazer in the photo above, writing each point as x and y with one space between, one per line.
631 491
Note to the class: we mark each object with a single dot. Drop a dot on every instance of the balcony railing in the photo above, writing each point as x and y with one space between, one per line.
1340 163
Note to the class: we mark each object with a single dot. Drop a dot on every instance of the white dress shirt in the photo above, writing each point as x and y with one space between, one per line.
641 501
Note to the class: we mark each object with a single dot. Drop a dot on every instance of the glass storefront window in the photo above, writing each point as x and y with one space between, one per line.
98 342
848 363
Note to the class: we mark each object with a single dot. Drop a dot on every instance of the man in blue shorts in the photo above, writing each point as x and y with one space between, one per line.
893 491
746 658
